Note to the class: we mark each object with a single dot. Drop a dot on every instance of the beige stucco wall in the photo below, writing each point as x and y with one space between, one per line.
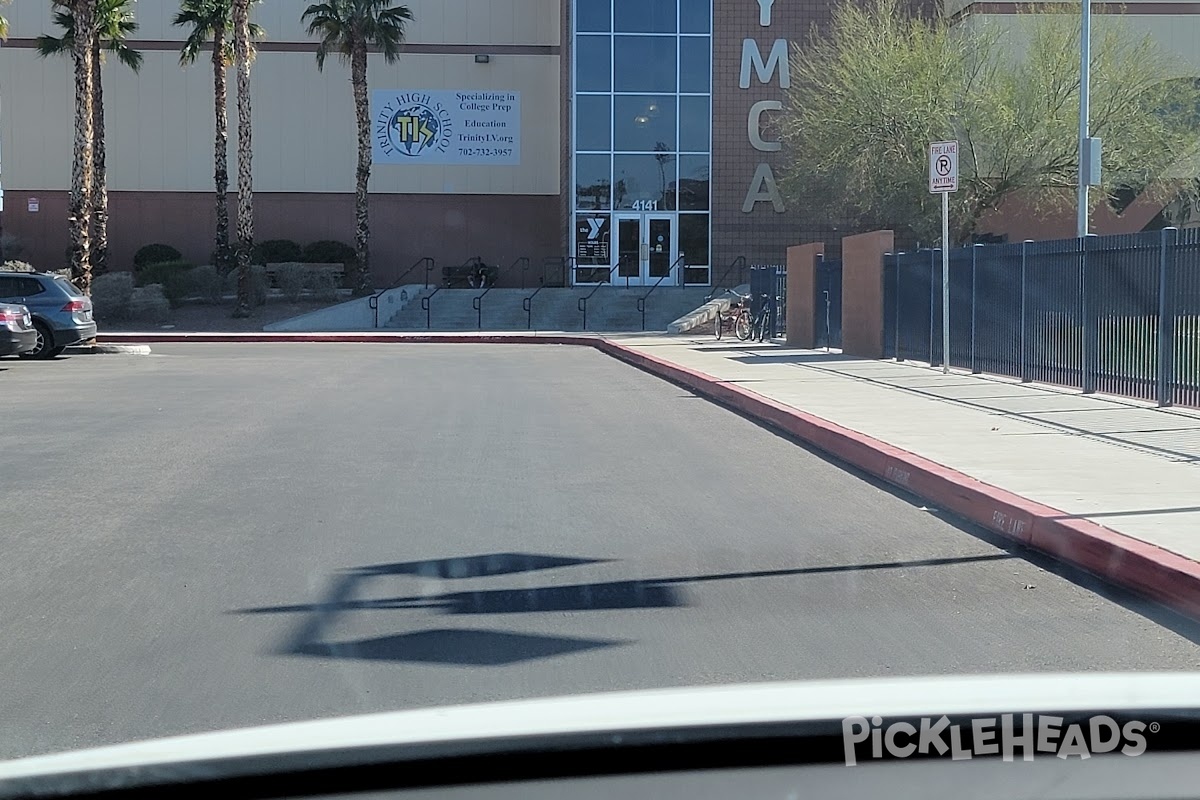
160 122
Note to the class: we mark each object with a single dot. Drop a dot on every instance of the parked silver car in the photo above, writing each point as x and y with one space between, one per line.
17 334
62 314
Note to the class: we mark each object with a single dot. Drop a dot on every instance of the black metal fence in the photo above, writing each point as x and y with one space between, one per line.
770 282
828 303
1116 314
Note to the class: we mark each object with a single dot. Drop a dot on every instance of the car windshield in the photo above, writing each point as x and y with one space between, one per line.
573 346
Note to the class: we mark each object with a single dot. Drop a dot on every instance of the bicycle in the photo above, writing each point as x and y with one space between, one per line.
761 326
735 319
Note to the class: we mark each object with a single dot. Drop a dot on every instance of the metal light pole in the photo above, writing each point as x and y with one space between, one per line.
1085 80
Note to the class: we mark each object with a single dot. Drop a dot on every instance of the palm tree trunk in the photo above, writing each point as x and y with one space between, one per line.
78 215
99 197
245 178
221 149
362 225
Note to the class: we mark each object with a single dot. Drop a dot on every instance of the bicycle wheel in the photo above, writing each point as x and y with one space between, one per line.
742 326
719 325
762 326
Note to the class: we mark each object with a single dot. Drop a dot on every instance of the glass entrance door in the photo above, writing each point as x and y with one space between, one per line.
646 248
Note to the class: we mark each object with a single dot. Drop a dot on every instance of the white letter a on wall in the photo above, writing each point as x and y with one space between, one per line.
763 190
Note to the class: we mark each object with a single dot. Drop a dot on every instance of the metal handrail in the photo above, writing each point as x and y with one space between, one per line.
681 264
425 301
477 301
582 304
527 303
739 263
373 300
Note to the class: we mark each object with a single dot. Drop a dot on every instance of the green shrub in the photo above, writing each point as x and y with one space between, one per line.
207 284
111 296
290 279
276 251
324 285
150 304
173 276
328 252
18 266
155 254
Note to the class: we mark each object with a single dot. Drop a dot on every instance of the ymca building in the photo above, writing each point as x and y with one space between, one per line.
621 133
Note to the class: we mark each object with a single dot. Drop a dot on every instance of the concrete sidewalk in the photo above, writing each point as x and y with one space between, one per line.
1128 467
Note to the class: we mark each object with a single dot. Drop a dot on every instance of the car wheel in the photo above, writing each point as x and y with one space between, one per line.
45 343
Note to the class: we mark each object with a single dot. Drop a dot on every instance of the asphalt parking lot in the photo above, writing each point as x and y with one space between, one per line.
221 535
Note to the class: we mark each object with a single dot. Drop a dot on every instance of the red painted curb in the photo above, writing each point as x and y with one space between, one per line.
385 338
1151 571
1144 568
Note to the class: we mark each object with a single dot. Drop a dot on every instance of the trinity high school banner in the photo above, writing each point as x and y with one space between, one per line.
446 127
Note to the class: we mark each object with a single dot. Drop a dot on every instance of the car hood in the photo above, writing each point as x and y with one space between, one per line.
479 727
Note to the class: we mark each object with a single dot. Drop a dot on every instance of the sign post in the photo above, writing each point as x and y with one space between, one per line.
943 179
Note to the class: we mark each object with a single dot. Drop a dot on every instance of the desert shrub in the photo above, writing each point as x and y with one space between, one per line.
324 285
276 251
155 254
111 296
150 304
259 284
328 251
11 246
173 276
290 279
18 266
207 284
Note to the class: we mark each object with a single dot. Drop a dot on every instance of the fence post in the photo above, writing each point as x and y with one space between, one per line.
974 266
1024 315
1090 333
1166 316
934 303
899 354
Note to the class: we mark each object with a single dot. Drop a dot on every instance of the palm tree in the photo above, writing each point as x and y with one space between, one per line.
348 28
83 16
3 23
112 26
211 21
242 52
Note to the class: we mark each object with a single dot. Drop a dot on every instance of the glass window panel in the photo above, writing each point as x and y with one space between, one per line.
693 239
643 178
644 122
593 15
693 183
694 69
645 16
593 182
694 122
695 16
593 125
644 63
593 63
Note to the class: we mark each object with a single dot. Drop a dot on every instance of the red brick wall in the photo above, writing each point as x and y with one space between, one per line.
404 228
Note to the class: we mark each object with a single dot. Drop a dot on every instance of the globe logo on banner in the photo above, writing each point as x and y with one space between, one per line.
413 125
413 129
